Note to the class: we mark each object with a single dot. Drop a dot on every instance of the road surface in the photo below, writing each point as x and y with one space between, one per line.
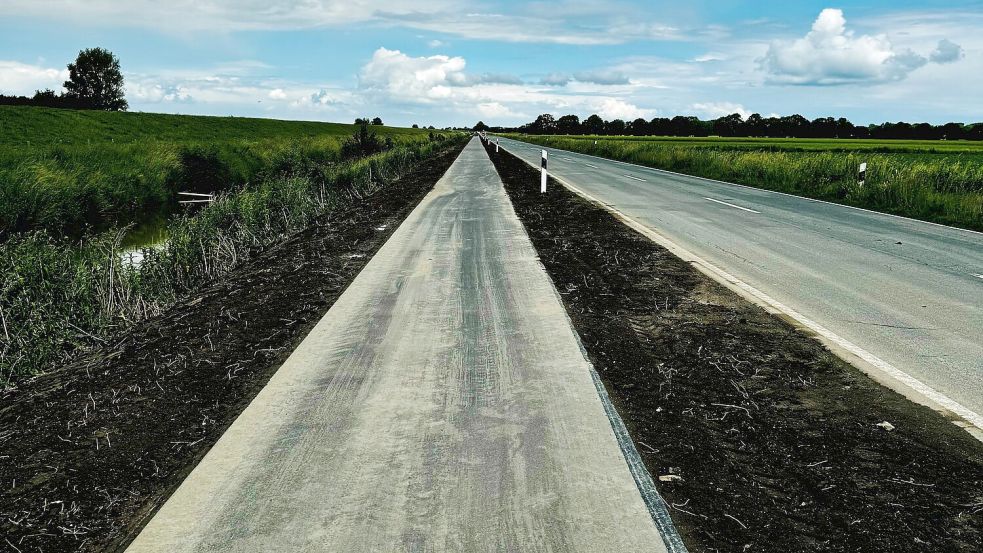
909 293
442 404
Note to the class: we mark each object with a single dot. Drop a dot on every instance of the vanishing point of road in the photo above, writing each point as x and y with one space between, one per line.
443 403
906 294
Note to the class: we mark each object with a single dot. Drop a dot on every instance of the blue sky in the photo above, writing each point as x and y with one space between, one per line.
450 62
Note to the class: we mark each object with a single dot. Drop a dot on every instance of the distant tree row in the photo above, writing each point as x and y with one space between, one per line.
94 82
792 126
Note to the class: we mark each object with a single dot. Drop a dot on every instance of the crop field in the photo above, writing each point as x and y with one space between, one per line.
68 171
935 181
93 186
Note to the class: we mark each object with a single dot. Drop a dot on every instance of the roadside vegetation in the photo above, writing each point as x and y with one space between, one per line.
938 181
68 205
71 172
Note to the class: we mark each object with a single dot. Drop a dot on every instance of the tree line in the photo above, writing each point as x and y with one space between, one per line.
734 125
94 82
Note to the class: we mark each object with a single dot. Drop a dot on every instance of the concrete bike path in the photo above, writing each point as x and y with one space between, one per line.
442 404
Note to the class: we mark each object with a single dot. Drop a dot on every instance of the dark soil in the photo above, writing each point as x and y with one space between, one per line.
90 452
775 439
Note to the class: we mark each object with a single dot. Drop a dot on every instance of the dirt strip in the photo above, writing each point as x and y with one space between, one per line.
89 453
759 438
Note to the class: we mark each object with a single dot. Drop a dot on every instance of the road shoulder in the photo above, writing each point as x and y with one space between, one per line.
758 436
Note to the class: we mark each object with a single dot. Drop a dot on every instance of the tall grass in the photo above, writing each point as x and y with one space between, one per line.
59 296
945 189
75 171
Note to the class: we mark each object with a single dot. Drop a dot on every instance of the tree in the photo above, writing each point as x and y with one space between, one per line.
95 80
480 127
615 127
377 121
544 124
568 124
415 126
594 124
638 127
729 125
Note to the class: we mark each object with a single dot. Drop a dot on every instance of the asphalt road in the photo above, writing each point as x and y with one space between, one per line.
908 292
442 404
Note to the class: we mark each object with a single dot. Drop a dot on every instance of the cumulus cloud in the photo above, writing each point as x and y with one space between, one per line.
277 94
616 108
714 110
23 79
946 52
423 79
831 54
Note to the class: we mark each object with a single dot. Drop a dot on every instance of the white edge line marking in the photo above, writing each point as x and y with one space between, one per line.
903 218
935 398
731 205
978 276
589 165
636 178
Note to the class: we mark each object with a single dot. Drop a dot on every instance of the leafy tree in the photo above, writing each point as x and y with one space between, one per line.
568 124
615 127
415 126
638 127
95 79
377 121
480 127
594 124
729 125
544 124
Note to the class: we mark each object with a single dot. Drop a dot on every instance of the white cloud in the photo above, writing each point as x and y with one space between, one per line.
615 108
495 110
436 43
708 57
713 110
947 52
831 54
555 79
567 22
18 78
421 79
604 77
277 94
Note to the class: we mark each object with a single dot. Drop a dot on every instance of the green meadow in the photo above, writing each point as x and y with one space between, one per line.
937 181
81 192
71 172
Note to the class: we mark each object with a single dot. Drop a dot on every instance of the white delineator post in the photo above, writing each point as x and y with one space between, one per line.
542 175
863 173
496 144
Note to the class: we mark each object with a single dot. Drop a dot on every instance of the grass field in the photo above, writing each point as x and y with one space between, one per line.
66 171
935 181
919 147
64 281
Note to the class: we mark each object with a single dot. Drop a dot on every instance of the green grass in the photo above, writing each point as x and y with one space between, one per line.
77 188
59 297
935 181
69 171
918 147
